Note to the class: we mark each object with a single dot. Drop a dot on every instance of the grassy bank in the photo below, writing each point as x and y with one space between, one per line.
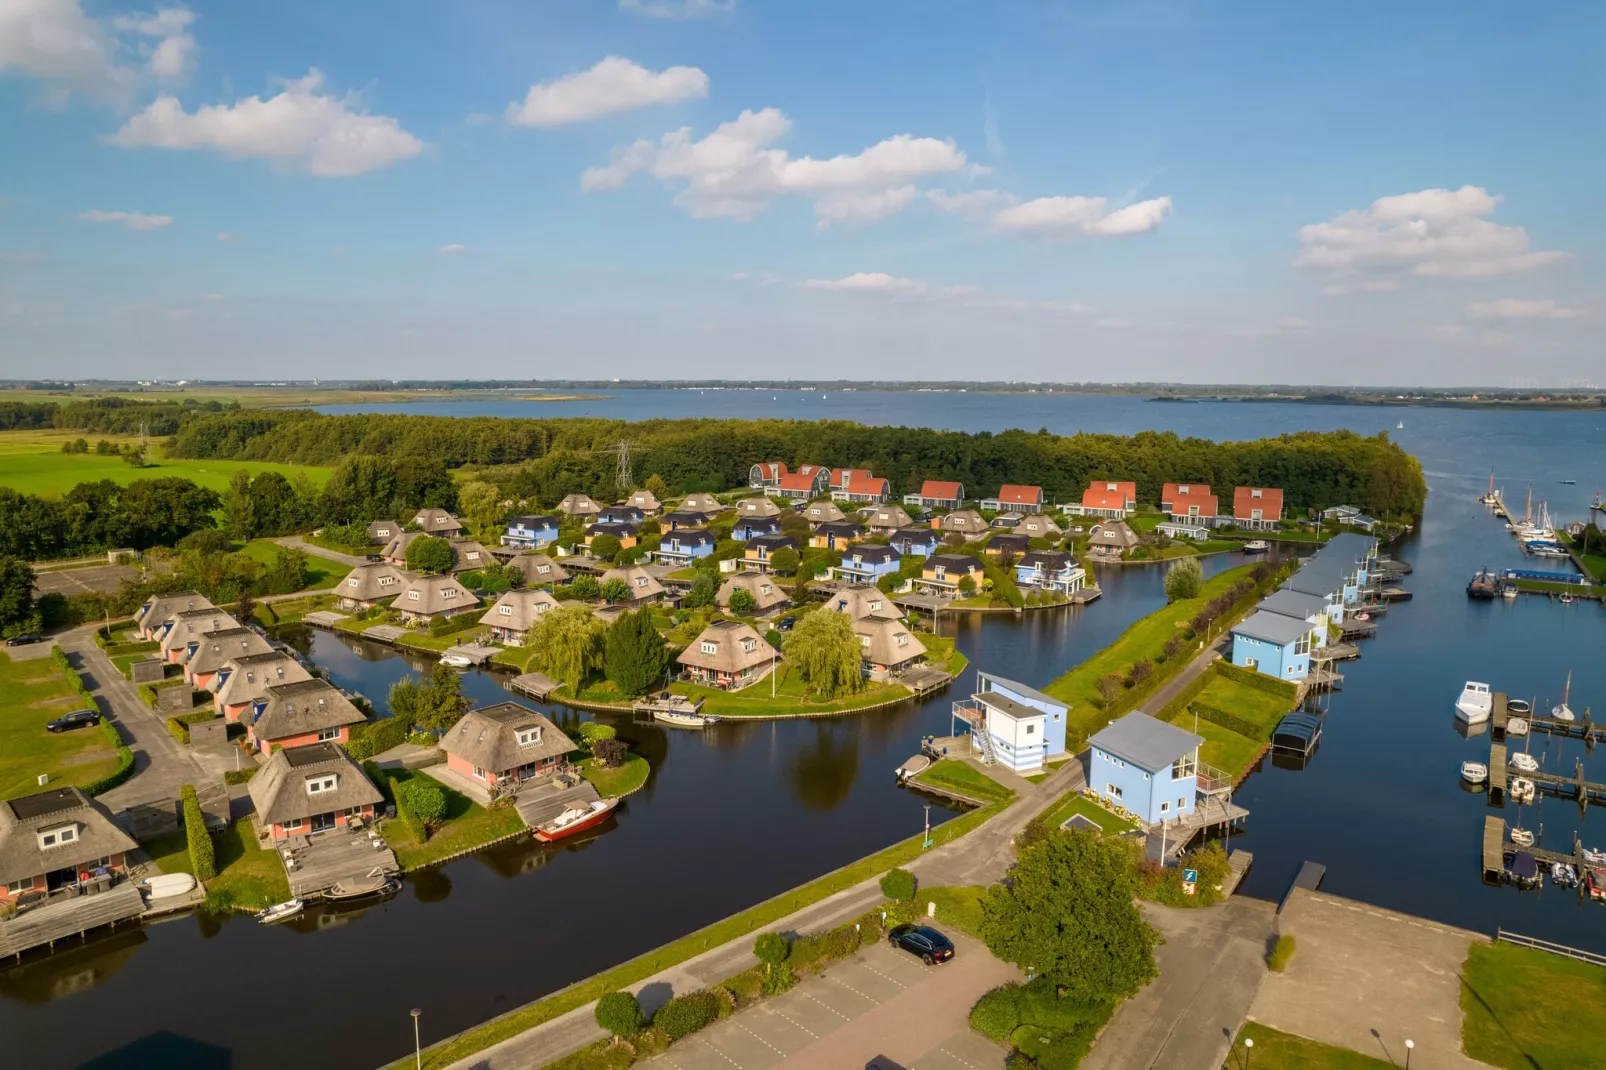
965 779
467 825
1076 803
32 462
247 876
1524 1008
1253 713
612 783
32 693
1284 1051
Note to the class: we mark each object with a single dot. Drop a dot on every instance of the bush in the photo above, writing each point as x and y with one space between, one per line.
458 622
1257 680
1184 579
684 1015
203 861
424 798
898 884
593 732
780 978
771 948
611 752
997 1013
620 1014
178 726
1281 954
240 776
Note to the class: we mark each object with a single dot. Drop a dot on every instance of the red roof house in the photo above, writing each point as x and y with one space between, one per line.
937 494
858 485
807 483
1257 508
1188 501
1112 499
1016 498
766 474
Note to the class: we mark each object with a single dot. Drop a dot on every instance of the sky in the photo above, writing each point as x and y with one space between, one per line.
1357 193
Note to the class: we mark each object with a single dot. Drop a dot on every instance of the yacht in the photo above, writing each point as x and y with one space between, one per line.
1475 703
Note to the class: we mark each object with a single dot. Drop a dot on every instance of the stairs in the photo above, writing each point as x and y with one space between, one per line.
988 756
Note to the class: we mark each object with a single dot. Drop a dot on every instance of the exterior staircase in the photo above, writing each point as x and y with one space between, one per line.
988 756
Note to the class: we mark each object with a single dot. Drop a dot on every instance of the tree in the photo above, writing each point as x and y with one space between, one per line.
426 553
568 643
784 561
823 650
704 589
434 703
898 884
636 655
610 752
1184 579
605 547
245 607
771 949
17 587
287 573
1067 911
742 602
656 486
620 1014
482 504
585 586
967 586
614 590
239 511
1109 688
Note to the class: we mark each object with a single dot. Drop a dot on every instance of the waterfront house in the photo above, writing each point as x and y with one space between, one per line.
366 586
1015 498
1107 498
538 569
837 536
866 564
861 600
825 512
382 531
858 485
644 587
1189 503
1174 529
937 495
516 612
1323 583
682 518
1050 570
1111 538
57 839
188 627
646 501
531 532
885 519
807 483
751 527
1341 514
1312 609
205 657
1007 542
943 573
1020 726
768 597
915 542
301 790
423 598
766 474
244 681
758 551
395 551
301 714
439 523
886 645
728 655
680 548
966 522
1273 644
749 508
580 505
159 609
705 504
625 533
1146 766
621 514
505 744
1039 526
1257 508
469 556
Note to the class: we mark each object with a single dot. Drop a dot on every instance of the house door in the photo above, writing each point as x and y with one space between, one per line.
323 821
830 542
61 878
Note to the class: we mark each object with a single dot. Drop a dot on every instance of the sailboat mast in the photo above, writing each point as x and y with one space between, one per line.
1528 512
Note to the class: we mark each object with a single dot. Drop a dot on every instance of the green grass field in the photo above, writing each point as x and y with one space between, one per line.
32 693
468 825
1076 803
1525 1008
32 462
1224 748
965 779
611 783
322 572
1284 1051
247 876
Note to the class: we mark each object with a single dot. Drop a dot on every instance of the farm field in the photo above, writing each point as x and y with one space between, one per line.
32 462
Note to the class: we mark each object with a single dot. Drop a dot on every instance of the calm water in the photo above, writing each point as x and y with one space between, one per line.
745 811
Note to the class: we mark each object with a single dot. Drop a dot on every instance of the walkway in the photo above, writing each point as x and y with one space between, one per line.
1191 672
296 542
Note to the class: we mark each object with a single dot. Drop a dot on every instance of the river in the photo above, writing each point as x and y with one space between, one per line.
744 811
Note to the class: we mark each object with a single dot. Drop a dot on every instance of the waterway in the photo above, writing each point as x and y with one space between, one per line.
745 811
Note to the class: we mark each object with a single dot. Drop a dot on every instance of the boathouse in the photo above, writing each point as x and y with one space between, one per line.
1146 766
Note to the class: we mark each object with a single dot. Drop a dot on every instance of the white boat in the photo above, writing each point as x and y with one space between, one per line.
1566 599
280 911
1522 789
1516 726
1508 591
457 661
1595 855
1561 711
1563 874
1474 772
1522 837
1475 702
1400 426
166 884
1520 706
1256 546
681 719
1524 763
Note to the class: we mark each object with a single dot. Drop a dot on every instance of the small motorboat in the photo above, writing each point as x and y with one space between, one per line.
1595 881
346 893
1568 482
1516 726
1508 591
1520 706
1363 616
280 912
574 820
1256 546
1524 763
1475 702
683 719
457 661
1522 789
1522 837
1523 869
1566 599
1563 874
1595 855
1474 772
163 885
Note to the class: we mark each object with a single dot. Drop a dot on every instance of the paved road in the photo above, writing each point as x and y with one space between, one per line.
298 543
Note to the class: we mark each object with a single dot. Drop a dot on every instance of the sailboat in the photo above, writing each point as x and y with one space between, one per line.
1561 711
1400 426
1490 498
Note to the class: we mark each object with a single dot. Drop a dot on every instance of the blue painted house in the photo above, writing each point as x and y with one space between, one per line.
680 548
1312 609
751 527
1050 570
621 514
1147 766
915 542
1018 726
866 564
531 532
1273 644
682 518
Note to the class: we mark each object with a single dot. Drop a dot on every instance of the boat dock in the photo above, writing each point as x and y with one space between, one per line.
1169 839
1336 652
318 861
1583 728
1495 846
1357 629
538 686
73 915
1565 787
475 653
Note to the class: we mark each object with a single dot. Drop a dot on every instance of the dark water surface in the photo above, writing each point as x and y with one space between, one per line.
745 811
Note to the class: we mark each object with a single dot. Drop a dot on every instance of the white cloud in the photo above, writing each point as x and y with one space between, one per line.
735 173
878 282
225 236
678 9
131 220
976 202
452 249
1433 232
172 55
1068 217
54 41
1513 308
906 289
299 130
615 84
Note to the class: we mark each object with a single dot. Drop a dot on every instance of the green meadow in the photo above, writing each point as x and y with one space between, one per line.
32 462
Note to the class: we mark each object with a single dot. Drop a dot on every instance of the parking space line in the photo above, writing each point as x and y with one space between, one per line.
837 980
832 1009
758 1038
884 976
715 1049
800 1025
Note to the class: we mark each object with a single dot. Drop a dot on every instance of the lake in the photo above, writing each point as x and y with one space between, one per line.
745 811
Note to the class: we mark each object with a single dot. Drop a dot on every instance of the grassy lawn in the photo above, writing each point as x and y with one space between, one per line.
288 612
32 462
1223 748
1284 1051
1526 1008
1076 803
468 825
322 572
790 697
957 907
422 640
32 693
247 876
966 779
611 783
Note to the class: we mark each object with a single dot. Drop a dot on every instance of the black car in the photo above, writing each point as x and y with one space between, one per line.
25 639
785 624
75 719
922 940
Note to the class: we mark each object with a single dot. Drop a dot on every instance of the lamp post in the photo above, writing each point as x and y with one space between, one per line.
418 1049
1249 1048
1409 1044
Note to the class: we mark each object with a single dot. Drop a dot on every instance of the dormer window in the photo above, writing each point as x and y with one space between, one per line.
351 582
412 596
386 581
902 639
449 592
641 581
529 737
250 677
864 641
1255 493
323 782
506 611
543 569
710 647
765 588
55 837
749 645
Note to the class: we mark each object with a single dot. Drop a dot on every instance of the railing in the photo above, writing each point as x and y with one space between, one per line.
1212 780
1502 936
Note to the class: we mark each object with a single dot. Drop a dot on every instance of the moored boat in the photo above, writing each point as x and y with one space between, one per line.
1484 585
1524 763
456 661
380 887
574 820
163 885
1256 546
1522 837
1522 869
683 719
1563 874
1595 881
1516 726
280 911
1475 702
1561 711
1522 789
1519 706
1474 772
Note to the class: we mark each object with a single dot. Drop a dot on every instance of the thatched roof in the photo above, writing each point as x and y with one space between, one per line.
429 595
372 582
279 790
26 821
728 646
887 641
519 610
490 737
192 624
251 676
302 707
766 593
218 648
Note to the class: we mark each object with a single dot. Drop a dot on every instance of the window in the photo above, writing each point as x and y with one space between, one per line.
641 581
15 887
709 647
1112 790
57 836
529 737
291 825
352 582
449 592
327 735
864 641
902 639
506 611
412 596
1182 803
543 569
1165 808
386 581
317 785
1031 730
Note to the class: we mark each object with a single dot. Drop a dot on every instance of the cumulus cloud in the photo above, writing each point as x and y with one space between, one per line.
1513 308
173 53
876 282
976 202
131 220
678 9
300 129
1069 217
452 250
736 173
225 236
905 289
57 43
1432 232
613 85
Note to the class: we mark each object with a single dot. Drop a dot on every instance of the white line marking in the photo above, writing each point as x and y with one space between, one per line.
800 1025
758 1038
850 988
830 1008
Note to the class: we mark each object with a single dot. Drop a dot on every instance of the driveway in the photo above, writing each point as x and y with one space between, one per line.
298 543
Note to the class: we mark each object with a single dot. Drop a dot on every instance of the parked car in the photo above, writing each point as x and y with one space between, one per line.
25 639
785 624
75 719
922 940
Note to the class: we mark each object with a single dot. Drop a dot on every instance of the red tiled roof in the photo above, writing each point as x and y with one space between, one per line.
807 469
1012 494
775 469
1096 497
841 476
935 488
861 482
796 481
1269 502
1179 496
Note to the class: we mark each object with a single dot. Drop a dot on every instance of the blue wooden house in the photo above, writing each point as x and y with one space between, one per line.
621 514
1273 644
1147 766
866 564
1050 570
1015 725
680 548
531 532
751 527
915 542
1313 609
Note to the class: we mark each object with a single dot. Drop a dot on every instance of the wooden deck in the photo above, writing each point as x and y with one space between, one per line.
1336 652
67 917
335 856
325 618
1584 728
1209 813
476 653
538 686
923 679
537 805
1495 846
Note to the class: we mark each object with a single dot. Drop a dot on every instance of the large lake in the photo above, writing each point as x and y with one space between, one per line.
745 811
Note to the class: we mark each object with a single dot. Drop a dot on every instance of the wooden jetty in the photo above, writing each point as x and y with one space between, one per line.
324 618
474 653
1565 787
1336 652
1496 846
70 916
1584 728
1357 629
537 685
1395 594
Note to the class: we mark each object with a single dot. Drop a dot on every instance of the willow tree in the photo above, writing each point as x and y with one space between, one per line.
823 650
568 643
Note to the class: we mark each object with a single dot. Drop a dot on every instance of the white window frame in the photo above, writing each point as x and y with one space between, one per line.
321 783
328 735
528 736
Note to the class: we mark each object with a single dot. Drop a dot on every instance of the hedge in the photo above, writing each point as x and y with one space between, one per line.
1258 680
59 657
240 776
147 692
203 863
376 737
684 1015
1231 721
398 796
178 725
125 763
462 622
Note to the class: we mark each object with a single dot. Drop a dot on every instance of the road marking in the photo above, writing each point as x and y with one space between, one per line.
758 1038
830 1008
959 1060
721 1054
878 973
850 988
800 1025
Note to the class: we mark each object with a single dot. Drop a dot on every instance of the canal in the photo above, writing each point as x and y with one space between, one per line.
745 811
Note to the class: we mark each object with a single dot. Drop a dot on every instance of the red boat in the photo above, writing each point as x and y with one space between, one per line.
575 819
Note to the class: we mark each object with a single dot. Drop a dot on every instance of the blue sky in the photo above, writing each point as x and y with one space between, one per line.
1115 190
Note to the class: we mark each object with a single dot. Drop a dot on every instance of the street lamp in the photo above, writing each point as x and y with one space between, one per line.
418 1049
1249 1047
1409 1044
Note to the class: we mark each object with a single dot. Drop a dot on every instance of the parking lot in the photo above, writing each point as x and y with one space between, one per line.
880 1002
67 582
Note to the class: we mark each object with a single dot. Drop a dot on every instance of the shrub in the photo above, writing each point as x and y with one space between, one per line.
593 732
1281 954
771 948
1173 647
240 776
997 1012
611 752
424 798
780 979
684 1015
178 726
125 763
1184 579
203 862
440 625
746 986
898 884
620 1014
1140 672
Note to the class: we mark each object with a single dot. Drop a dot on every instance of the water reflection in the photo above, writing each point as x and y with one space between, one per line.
41 978
822 770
